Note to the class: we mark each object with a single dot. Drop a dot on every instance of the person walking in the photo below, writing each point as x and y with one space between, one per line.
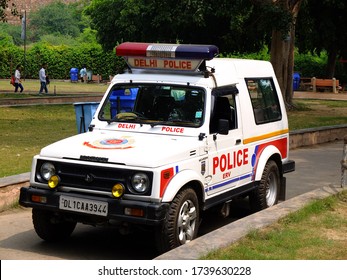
83 74
43 79
18 82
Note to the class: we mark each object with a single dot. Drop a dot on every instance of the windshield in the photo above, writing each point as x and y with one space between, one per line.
154 105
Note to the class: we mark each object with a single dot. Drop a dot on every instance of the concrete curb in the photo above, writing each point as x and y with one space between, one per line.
234 231
318 135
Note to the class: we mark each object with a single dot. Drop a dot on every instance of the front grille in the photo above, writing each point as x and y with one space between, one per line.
93 178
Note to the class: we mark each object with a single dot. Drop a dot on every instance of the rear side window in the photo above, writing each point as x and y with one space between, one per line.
266 107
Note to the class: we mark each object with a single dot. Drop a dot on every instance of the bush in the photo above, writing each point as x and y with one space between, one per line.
307 65
60 59
310 65
10 56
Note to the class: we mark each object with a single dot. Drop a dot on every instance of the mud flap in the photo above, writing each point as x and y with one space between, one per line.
282 194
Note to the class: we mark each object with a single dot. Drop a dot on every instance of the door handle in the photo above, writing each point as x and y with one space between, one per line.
238 141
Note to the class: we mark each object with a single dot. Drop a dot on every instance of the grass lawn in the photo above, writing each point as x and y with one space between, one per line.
316 113
316 232
57 86
26 129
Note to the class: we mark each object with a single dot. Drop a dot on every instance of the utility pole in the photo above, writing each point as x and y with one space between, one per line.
24 37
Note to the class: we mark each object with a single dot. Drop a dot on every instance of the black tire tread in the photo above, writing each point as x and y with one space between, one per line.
165 234
47 229
257 197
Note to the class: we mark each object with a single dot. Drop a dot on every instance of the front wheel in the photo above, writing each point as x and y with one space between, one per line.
182 221
267 193
49 227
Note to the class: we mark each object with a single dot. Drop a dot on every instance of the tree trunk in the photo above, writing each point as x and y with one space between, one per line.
279 59
282 53
332 58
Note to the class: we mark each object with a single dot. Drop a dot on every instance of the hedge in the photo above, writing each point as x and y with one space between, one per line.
59 59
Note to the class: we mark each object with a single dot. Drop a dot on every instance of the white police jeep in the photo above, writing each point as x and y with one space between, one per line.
179 133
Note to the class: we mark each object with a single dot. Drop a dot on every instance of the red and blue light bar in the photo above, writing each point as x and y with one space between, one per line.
174 51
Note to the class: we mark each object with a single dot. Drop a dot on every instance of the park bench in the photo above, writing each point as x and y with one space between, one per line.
323 84
306 83
314 84
96 78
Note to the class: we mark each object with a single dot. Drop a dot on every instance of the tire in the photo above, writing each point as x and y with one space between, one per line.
49 227
267 193
182 222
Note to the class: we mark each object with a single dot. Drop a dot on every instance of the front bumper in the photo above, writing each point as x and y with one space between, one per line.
153 213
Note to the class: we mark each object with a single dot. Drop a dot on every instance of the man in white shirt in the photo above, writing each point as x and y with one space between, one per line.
43 79
83 74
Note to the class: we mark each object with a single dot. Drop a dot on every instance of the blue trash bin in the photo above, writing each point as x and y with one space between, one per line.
296 81
122 100
74 74
84 114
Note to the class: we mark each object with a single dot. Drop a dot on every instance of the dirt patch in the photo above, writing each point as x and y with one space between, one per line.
340 213
9 195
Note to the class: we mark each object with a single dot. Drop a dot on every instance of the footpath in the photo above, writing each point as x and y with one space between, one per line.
317 152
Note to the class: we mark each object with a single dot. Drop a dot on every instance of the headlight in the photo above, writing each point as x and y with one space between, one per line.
140 183
47 170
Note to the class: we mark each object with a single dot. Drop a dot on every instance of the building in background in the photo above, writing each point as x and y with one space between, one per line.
28 6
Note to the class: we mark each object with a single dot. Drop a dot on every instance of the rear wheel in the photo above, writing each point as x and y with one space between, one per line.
267 193
182 221
49 227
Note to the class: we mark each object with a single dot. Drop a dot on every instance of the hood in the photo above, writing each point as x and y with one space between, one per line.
132 149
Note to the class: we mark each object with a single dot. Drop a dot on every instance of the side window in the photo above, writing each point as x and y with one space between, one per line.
224 108
266 107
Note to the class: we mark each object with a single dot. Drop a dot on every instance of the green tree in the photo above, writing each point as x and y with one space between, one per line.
187 21
105 25
55 18
13 30
234 26
322 26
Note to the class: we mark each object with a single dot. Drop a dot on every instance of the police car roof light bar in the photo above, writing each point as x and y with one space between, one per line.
178 51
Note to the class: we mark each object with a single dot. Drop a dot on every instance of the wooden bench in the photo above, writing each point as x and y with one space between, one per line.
305 83
324 84
96 78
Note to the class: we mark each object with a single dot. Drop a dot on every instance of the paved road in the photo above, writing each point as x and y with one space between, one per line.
316 166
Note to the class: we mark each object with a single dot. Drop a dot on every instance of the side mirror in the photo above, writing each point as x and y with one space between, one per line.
223 126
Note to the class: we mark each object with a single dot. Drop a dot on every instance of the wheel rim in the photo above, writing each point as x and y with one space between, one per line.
186 222
271 189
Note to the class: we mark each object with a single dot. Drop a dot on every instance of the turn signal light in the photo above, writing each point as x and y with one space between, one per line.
134 212
39 199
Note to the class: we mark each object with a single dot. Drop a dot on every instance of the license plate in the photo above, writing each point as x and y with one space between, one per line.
83 205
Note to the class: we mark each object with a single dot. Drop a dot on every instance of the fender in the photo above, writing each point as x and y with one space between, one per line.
263 158
178 181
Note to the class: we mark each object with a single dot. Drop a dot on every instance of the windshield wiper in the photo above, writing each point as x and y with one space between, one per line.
171 122
153 124
127 116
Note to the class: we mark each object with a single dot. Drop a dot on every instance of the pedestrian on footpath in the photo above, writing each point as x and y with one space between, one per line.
83 74
43 79
18 82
